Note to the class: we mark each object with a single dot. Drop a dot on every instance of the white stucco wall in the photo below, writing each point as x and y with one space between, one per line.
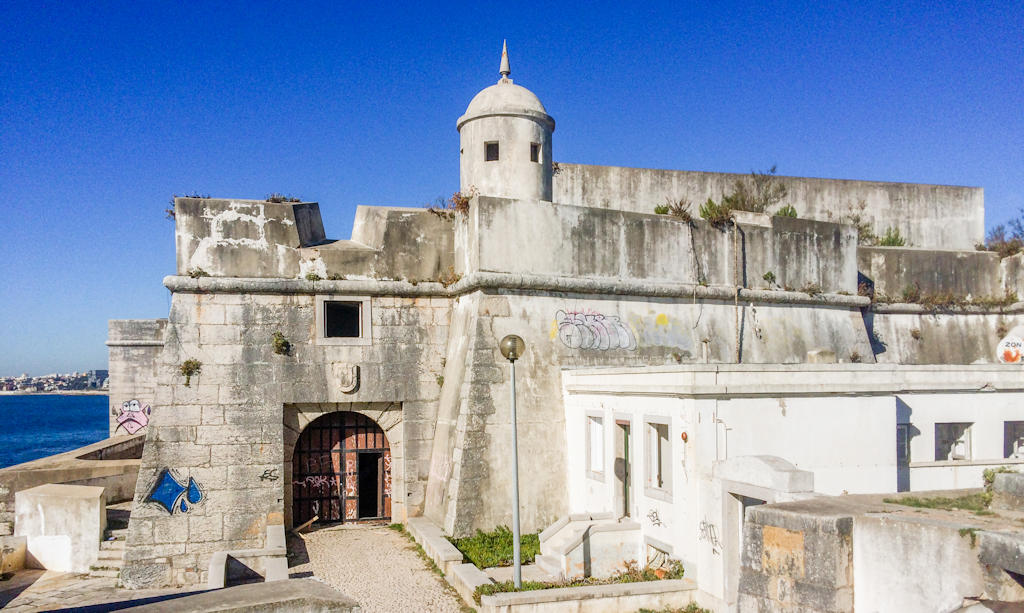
837 422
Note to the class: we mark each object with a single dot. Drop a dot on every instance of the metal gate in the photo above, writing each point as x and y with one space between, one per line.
341 470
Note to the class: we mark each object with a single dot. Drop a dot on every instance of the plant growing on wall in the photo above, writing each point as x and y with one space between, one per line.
786 211
456 203
1005 239
312 276
195 273
661 209
449 277
915 333
719 215
757 193
279 198
190 367
769 277
280 344
865 233
892 238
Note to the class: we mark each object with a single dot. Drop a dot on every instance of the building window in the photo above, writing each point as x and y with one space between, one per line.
1013 440
343 320
952 441
595 447
902 443
491 152
658 465
534 152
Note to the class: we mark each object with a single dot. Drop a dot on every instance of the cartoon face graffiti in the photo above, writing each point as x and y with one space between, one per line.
132 416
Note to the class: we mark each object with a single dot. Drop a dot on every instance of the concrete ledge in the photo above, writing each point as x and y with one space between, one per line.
1003 550
465 578
624 526
895 308
1008 491
432 540
595 598
550 531
300 595
272 560
492 280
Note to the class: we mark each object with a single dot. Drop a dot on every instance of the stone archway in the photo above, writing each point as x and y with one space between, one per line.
341 470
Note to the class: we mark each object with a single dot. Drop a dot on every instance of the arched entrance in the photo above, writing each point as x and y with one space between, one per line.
341 470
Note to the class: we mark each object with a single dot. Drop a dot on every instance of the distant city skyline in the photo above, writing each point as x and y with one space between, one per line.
109 110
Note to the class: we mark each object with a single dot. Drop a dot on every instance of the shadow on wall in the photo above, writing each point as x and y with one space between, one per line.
905 431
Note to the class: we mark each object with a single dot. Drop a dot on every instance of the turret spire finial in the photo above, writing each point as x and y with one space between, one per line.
504 70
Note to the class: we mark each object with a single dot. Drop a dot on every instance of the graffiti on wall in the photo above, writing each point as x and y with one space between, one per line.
172 495
1009 350
270 474
132 416
654 518
708 532
590 330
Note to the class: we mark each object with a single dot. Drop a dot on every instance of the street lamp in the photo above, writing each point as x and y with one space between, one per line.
512 348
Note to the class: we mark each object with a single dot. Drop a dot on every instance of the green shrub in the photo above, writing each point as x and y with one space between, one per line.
661 209
989 475
892 238
196 273
716 214
494 548
188 368
280 344
786 211
756 193
312 276
769 277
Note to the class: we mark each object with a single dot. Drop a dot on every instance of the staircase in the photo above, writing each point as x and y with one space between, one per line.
111 558
111 555
588 545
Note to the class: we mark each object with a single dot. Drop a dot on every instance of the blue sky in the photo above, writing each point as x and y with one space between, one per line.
107 109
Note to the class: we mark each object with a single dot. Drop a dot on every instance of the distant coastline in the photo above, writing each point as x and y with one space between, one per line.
57 393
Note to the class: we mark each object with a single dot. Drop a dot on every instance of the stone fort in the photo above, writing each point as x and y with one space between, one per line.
299 377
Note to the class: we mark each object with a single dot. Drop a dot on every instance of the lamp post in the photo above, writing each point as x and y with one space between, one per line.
512 348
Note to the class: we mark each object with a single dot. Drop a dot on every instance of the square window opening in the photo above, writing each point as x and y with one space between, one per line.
342 319
491 151
534 152
1013 440
953 441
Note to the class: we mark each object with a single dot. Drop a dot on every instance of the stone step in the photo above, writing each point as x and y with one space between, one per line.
551 565
118 534
105 572
114 545
111 555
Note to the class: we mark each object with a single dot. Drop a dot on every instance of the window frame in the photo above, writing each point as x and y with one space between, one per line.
965 438
365 321
487 151
1008 426
655 462
535 150
589 418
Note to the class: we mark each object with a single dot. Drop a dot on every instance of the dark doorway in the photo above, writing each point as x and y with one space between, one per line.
341 470
370 465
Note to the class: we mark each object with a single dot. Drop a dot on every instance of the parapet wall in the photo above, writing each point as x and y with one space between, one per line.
933 216
134 351
534 237
961 273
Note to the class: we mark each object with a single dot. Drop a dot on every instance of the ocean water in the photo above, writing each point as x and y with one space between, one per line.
39 425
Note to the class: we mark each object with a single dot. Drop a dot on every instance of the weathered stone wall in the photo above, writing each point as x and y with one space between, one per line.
933 216
470 469
910 334
259 239
794 560
964 273
231 429
519 236
134 352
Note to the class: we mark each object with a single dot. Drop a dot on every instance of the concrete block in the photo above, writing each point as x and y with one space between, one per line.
63 525
1008 491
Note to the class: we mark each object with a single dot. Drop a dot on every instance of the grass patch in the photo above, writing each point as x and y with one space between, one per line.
494 548
631 574
693 607
970 502
970 532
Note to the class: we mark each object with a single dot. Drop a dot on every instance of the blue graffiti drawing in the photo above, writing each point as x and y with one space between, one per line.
170 493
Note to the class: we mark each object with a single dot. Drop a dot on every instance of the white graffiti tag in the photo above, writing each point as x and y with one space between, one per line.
593 331
314 481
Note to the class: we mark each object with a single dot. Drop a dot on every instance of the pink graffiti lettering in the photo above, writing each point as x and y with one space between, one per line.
132 416
314 481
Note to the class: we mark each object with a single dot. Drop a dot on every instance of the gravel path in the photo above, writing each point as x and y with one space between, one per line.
378 567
